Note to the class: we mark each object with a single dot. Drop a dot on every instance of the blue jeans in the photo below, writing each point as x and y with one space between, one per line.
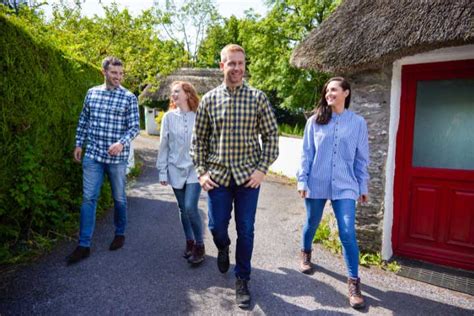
188 198
92 178
345 216
244 201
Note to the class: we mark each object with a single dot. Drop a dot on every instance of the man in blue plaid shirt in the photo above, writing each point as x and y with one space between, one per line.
109 121
231 163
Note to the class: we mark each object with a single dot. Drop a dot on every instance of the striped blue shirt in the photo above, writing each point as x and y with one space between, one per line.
107 117
335 157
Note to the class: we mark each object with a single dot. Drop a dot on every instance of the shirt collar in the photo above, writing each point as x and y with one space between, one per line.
339 114
238 88
104 87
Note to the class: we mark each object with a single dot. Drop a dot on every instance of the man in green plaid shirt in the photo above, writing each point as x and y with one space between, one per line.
230 161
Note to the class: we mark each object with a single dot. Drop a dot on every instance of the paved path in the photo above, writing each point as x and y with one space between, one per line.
149 277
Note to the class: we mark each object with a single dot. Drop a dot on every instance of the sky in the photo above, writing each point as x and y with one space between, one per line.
225 7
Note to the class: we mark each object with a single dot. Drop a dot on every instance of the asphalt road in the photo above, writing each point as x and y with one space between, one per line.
148 276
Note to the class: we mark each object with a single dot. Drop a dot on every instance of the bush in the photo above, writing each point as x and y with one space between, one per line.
41 93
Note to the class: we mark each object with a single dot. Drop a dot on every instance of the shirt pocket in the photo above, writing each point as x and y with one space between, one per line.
118 108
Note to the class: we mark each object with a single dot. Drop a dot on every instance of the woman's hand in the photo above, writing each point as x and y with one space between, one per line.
164 182
302 194
363 198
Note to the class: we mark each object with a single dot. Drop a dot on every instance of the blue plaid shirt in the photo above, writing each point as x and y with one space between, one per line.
335 158
107 117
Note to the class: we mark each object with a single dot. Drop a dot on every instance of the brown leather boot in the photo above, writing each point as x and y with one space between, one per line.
305 264
355 296
198 255
188 251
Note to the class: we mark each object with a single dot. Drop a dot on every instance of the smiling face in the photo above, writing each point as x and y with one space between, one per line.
113 76
336 95
233 67
179 97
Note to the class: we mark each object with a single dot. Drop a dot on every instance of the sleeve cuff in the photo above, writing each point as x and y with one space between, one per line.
263 168
363 188
302 186
163 176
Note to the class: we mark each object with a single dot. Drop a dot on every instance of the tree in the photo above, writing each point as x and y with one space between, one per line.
269 43
218 35
186 24
135 40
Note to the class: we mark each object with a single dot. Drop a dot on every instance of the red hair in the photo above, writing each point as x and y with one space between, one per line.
188 88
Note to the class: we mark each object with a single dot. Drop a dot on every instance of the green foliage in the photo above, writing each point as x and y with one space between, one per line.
288 130
132 39
136 171
329 239
159 118
218 35
41 95
155 104
375 259
269 42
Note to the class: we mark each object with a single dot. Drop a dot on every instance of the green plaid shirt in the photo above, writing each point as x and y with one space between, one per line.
226 134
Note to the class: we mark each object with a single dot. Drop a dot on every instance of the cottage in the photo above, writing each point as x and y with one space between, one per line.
202 79
411 65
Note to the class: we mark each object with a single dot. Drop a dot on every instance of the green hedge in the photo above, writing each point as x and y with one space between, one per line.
41 95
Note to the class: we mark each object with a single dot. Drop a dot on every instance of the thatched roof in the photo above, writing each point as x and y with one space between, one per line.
366 34
202 79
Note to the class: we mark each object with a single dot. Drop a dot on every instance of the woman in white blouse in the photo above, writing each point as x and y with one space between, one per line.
176 167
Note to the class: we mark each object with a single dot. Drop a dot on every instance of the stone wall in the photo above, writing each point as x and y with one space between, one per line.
371 99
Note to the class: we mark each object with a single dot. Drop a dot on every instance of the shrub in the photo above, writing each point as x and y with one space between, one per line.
41 95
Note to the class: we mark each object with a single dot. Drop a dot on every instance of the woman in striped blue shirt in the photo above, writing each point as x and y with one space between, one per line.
176 168
333 167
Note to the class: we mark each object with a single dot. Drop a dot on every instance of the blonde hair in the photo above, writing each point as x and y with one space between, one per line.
188 88
231 48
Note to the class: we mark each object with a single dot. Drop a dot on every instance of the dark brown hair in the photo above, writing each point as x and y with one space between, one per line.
323 111
111 61
188 88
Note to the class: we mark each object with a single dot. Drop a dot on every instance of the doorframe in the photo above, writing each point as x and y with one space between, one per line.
439 55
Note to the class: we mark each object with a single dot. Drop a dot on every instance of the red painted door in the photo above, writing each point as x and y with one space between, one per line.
434 171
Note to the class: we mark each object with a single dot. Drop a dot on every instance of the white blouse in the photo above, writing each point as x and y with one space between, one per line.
174 163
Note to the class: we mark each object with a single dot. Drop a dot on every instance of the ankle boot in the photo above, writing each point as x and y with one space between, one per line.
188 251
197 256
305 264
356 300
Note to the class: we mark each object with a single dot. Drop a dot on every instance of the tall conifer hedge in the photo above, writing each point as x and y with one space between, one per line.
41 95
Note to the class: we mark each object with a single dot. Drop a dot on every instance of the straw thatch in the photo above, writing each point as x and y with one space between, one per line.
202 79
366 34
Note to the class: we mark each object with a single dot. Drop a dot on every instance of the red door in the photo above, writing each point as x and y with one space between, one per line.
434 171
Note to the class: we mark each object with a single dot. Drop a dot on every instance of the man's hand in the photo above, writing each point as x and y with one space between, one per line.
363 198
77 154
115 149
302 193
206 182
256 179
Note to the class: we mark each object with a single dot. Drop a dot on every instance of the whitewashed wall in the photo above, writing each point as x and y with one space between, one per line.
288 160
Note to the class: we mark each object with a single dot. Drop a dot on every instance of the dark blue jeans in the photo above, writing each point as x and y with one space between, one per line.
244 200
